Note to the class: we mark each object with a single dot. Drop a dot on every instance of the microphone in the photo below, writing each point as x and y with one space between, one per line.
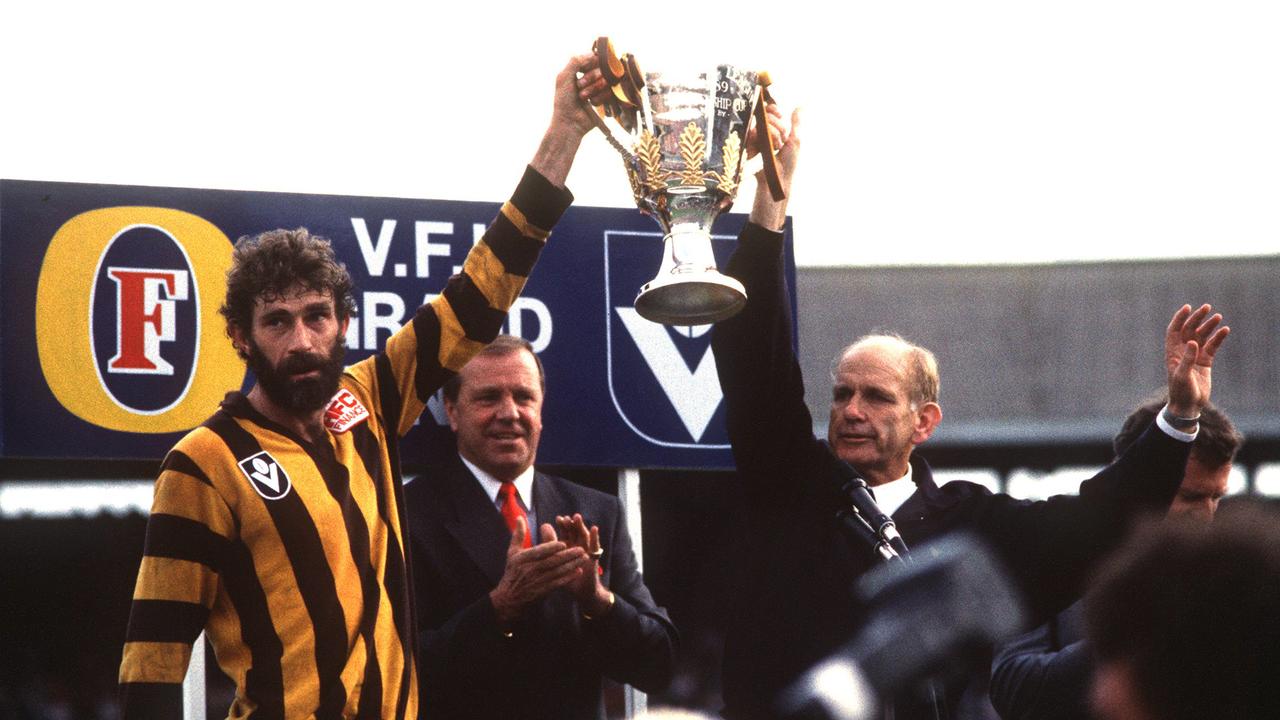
856 525
856 489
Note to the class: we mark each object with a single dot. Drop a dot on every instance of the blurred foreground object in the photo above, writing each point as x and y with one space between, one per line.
1183 620
938 615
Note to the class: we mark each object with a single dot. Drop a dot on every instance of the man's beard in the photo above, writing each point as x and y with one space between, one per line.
303 395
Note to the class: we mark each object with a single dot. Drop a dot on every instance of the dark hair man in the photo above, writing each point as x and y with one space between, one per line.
277 526
1045 674
513 628
798 605
1184 624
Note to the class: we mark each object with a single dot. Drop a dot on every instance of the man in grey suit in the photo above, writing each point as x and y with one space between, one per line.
511 626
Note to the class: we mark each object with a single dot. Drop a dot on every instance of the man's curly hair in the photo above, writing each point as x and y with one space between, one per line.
268 265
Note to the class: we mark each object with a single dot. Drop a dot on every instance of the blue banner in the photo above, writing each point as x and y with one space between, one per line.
113 346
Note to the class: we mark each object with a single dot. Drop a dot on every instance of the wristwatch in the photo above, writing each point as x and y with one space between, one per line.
1185 424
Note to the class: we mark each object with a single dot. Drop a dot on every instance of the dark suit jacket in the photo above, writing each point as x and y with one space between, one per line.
798 563
553 663
1045 673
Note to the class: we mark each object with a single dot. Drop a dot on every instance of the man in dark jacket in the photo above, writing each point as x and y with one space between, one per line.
1045 673
799 565
514 627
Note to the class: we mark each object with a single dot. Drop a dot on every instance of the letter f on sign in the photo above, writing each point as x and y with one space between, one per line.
144 319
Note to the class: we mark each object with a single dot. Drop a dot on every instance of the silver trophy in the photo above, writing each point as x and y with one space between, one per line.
681 134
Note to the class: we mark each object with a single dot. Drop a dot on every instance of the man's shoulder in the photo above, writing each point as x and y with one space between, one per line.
583 496
965 502
205 438
433 480
358 378
958 489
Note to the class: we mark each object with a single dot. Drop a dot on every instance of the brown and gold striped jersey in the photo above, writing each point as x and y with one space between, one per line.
290 554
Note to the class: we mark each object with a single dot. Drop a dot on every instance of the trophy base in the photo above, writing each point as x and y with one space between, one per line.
706 297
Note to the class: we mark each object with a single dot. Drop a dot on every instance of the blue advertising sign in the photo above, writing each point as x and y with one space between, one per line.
113 345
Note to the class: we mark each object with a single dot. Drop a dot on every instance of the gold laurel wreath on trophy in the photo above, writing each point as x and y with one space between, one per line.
730 151
693 148
649 153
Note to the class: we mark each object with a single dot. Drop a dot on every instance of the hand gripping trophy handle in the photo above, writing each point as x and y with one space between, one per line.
764 141
680 134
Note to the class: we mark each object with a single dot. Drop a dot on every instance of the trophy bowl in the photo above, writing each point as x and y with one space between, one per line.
682 136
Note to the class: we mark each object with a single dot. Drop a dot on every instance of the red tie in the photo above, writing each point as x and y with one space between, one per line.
511 510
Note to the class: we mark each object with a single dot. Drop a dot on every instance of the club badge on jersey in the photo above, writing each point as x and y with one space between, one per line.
344 412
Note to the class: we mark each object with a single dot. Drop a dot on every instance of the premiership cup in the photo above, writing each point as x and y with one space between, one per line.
681 133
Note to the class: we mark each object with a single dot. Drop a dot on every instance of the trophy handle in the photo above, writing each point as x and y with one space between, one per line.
764 142
620 75
607 131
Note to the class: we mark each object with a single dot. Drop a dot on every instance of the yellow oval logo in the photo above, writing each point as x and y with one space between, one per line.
127 322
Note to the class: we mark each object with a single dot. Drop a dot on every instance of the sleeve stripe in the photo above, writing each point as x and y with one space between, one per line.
161 578
430 375
165 621
151 700
455 349
389 400
479 321
541 202
184 496
484 269
170 536
181 462
150 662
521 223
517 252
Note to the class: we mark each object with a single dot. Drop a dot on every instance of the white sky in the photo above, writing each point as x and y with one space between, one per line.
935 132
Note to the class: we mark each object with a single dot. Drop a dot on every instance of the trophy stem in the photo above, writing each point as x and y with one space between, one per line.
689 249
688 289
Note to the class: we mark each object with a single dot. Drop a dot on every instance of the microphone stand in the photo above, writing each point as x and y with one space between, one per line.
856 525
877 521
866 520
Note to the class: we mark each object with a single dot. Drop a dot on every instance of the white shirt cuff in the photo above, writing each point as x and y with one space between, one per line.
1173 432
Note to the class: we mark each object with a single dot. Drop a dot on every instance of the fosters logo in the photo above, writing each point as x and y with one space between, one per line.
127 321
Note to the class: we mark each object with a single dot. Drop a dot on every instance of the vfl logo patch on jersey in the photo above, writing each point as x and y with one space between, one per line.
266 475
344 412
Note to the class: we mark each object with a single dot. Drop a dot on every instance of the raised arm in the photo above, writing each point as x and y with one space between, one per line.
1052 546
570 118
766 212
447 332
768 422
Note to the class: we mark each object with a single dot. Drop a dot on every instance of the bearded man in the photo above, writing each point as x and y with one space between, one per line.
277 525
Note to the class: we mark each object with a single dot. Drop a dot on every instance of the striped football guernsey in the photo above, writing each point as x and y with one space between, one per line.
290 554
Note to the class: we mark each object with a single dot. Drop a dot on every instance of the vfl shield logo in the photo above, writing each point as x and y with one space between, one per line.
662 380
266 475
